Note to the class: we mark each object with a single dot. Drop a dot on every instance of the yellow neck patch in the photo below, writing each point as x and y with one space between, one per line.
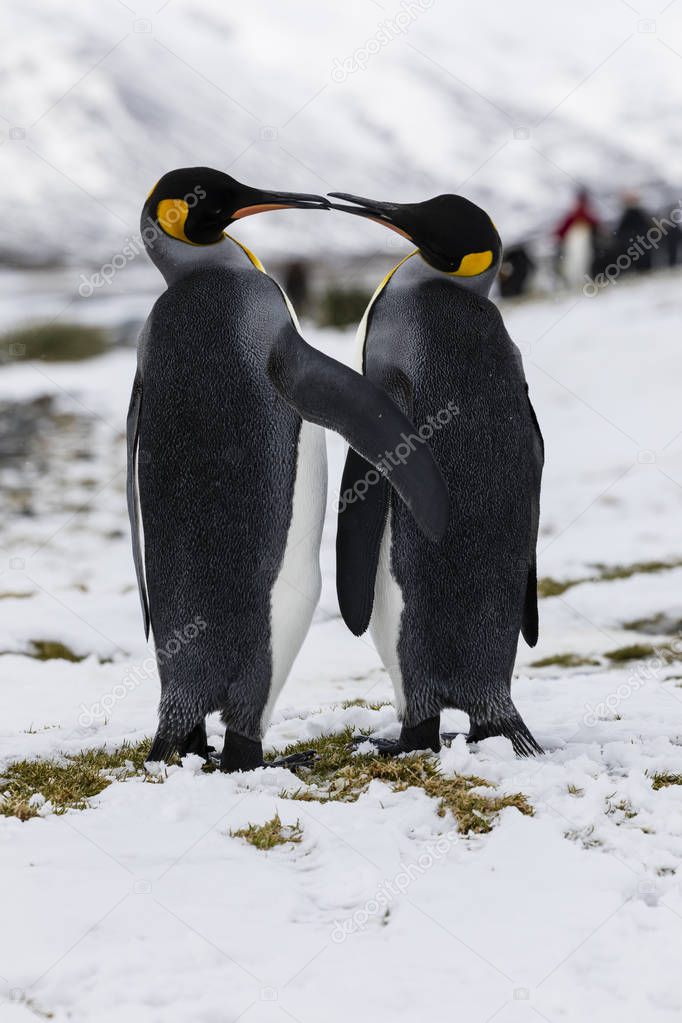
252 255
393 269
172 215
474 263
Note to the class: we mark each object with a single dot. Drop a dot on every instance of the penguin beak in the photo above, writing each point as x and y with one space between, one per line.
257 201
386 213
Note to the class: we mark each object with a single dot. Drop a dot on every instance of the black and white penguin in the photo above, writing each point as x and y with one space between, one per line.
226 484
446 619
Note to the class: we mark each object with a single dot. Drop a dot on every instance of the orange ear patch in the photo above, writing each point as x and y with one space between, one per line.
171 215
474 263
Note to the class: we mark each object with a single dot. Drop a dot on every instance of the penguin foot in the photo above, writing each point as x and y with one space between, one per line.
197 742
294 760
242 754
447 737
424 736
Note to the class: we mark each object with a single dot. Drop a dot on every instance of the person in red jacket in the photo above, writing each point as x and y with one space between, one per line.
576 236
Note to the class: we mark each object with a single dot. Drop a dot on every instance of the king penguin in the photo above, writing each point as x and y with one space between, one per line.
446 619
226 482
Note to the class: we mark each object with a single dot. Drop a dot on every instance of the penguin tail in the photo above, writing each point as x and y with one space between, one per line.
506 722
179 714
163 748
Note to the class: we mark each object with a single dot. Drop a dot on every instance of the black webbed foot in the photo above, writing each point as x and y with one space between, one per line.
294 760
196 742
242 754
424 736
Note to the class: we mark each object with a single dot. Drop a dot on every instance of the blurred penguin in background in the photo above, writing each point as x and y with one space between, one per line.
516 271
630 234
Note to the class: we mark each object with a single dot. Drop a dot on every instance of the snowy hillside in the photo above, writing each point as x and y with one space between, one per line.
510 103
144 906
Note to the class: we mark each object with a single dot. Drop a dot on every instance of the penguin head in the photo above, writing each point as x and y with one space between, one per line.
196 204
452 233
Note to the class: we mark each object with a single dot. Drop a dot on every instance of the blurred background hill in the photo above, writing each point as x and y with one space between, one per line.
512 104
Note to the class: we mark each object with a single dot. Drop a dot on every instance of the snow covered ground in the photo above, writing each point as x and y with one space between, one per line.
143 907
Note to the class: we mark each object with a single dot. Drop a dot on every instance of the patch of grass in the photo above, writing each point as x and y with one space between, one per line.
635 652
621 806
340 306
585 836
565 661
340 775
347 704
18 595
270 834
662 779
609 572
660 624
67 782
53 650
639 651
574 790
548 587
21 998
54 342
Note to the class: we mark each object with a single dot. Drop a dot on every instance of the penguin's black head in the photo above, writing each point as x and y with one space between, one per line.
196 204
452 233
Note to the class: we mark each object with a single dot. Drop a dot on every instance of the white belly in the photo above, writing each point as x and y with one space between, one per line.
577 254
296 591
387 612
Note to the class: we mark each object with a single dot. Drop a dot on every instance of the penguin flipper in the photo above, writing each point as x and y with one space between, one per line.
325 392
132 493
361 521
530 623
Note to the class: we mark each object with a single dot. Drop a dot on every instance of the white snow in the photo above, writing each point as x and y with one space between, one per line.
143 907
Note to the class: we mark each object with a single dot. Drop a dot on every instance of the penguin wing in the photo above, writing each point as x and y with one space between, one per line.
133 495
361 522
330 394
529 622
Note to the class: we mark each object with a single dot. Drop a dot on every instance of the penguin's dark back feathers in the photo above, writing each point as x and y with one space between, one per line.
451 345
217 457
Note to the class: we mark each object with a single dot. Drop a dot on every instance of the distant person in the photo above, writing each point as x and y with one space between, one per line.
517 267
631 233
576 239
296 284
